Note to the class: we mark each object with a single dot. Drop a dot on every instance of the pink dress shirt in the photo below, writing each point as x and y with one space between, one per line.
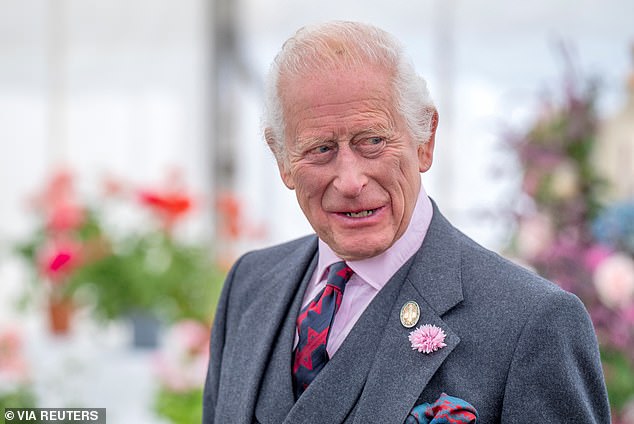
370 275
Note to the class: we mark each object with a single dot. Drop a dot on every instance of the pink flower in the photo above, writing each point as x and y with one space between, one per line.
58 258
595 255
193 336
65 216
427 338
535 235
614 281
183 359
13 366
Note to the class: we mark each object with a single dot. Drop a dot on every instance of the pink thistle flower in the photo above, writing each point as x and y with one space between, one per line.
427 338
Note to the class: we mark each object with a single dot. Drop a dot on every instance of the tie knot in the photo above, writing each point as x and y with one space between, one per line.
338 275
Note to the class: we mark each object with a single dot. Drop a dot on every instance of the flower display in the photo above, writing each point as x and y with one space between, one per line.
427 338
146 267
66 235
565 232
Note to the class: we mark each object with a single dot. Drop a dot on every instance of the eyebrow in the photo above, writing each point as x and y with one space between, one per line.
379 128
313 139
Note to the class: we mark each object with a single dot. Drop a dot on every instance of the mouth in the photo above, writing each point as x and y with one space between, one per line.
360 214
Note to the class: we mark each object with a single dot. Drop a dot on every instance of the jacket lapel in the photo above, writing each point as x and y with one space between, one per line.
259 329
399 374
336 389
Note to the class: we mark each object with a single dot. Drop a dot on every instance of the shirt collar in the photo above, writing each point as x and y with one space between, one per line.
376 271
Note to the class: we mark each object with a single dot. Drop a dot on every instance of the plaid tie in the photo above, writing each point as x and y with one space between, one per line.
313 325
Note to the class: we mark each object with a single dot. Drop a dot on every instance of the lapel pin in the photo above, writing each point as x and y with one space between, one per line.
427 338
410 313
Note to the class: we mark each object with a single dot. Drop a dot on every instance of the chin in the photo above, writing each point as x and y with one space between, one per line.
355 253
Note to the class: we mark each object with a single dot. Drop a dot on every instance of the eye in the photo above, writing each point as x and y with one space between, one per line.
371 146
321 153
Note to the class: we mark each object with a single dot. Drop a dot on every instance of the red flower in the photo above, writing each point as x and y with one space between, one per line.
169 206
59 258
173 204
229 209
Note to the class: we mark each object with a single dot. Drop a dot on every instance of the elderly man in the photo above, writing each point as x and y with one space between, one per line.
388 314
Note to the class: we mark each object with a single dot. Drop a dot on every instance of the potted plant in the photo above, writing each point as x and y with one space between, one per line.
146 272
66 237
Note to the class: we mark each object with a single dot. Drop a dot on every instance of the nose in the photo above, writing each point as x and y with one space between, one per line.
350 176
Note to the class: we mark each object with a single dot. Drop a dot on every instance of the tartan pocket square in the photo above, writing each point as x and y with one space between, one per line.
446 410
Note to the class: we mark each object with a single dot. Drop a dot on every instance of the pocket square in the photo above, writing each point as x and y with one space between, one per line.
446 410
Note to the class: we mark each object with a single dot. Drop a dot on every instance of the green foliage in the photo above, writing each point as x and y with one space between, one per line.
89 234
152 273
180 407
619 375
20 398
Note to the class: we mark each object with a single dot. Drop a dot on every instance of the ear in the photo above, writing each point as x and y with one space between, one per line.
282 165
426 149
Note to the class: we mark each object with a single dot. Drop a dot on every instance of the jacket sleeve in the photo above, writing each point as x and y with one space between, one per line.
555 374
216 348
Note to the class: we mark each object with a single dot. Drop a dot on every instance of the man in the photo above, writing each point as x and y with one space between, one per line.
389 313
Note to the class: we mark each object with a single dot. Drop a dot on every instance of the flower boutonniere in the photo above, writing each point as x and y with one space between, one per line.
427 338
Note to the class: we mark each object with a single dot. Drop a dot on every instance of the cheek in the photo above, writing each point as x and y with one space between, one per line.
309 185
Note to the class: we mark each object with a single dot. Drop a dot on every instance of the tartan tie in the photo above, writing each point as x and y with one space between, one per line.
313 325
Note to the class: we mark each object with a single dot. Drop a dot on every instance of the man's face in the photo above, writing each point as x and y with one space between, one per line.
353 163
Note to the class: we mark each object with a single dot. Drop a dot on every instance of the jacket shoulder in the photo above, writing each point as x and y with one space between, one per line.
262 259
482 268
246 276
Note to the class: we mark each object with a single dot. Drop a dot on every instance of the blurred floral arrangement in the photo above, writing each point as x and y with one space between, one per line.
79 253
15 388
568 236
181 366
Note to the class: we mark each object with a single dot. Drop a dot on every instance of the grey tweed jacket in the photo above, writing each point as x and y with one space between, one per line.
519 349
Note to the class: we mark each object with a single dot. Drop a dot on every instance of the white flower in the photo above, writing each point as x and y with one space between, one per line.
565 181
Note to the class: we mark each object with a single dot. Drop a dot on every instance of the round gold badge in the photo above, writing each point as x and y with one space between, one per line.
410 313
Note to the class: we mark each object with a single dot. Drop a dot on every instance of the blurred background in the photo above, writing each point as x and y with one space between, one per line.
133 173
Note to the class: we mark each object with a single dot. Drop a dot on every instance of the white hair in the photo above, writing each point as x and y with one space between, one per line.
329 46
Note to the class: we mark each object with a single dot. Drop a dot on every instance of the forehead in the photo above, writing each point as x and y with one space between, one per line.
319 98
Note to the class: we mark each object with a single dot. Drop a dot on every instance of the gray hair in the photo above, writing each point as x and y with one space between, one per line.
331 45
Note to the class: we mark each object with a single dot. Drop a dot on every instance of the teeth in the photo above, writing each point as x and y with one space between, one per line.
359 214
